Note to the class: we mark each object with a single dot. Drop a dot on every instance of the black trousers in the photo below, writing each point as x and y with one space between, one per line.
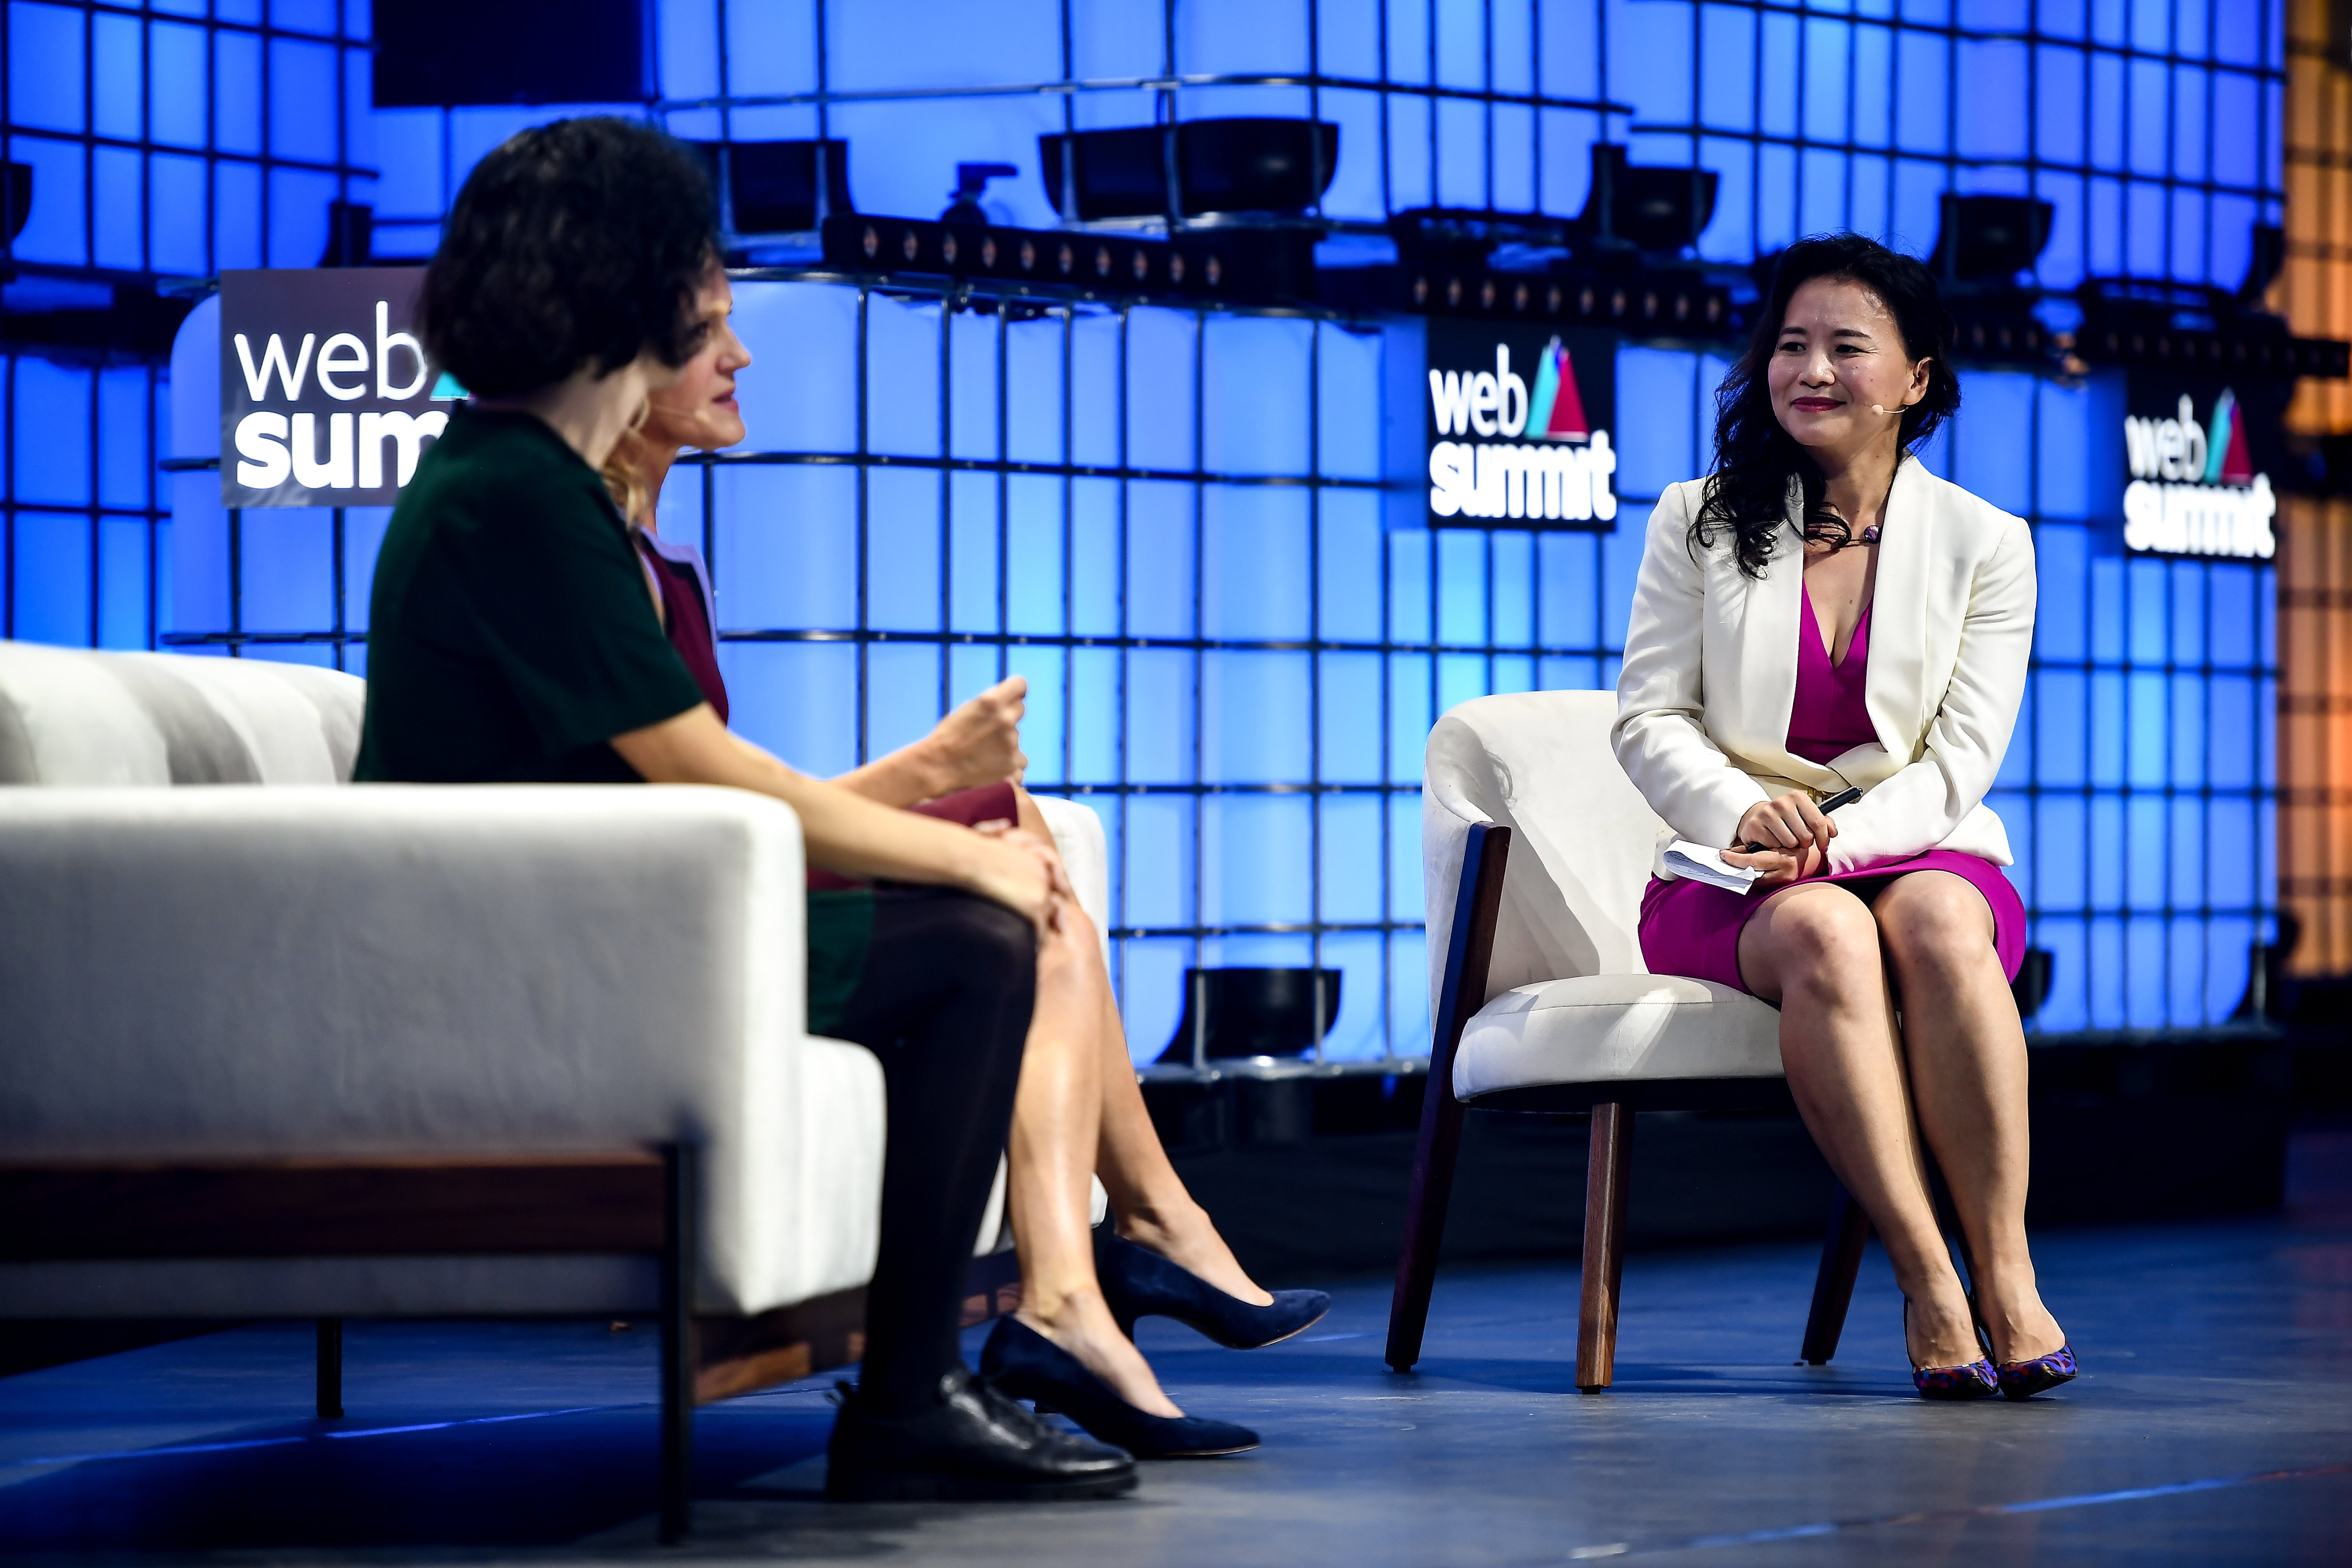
944 1000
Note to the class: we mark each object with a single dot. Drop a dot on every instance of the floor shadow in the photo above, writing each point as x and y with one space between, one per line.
534 1482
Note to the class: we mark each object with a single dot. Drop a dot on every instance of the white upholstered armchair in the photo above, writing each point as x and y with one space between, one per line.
1536 849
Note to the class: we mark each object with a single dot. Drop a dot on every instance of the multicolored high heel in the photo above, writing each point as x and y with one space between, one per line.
1977 1380
2024 1379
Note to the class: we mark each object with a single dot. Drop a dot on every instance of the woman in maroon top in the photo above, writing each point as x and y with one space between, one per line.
1079 1110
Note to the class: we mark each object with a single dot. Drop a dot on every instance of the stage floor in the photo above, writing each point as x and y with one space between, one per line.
2213 1424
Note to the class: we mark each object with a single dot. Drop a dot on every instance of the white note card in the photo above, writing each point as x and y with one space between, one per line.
1701 864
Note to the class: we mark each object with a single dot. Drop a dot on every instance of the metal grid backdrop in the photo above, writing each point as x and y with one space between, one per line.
1106 564
1230 658
167 141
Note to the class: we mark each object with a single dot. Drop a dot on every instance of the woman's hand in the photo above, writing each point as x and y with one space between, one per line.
1023 873
1794 834
1780 867
980 742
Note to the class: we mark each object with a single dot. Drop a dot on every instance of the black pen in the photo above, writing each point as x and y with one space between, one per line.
1846 796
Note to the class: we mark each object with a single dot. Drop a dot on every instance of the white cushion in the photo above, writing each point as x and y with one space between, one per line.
81 716
1603 1029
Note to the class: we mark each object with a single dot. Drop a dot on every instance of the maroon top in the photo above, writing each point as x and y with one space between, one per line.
1829 717
688 624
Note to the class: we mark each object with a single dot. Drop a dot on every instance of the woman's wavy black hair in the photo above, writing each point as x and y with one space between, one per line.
1748 489
574 245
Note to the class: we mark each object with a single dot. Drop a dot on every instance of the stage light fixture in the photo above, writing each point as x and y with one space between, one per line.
778 187
1191 169
1990 239
1253 1012
1642 206
2265 259
15 200
350 234
972 185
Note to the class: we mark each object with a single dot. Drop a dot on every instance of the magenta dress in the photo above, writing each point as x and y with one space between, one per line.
1689 928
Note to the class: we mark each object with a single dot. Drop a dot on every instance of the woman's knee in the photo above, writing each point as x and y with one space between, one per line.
1934 918
1823 937
986 940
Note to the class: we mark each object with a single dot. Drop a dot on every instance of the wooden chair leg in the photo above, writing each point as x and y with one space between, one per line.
331 1368
1834 1285
1607 1175
1424 1223
1469 951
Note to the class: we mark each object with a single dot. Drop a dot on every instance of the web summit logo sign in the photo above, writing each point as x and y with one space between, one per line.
1518 427
326 397
2194 489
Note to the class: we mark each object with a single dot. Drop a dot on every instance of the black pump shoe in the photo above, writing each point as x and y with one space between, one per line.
1140 1283
973 1445
1024 1364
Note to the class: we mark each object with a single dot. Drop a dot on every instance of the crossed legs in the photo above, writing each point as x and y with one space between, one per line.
1954 1071
1080 1112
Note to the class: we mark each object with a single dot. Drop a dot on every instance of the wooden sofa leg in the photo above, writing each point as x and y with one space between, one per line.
1607 1172
678 1264
331 1368
1834 1285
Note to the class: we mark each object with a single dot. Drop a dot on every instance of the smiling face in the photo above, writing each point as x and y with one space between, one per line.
699 410
1840 351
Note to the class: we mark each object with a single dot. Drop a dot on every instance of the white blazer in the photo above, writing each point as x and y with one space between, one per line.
1710 676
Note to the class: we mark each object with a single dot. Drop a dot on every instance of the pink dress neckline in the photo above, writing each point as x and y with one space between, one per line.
1830 712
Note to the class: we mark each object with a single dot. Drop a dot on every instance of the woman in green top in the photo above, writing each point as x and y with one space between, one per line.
511 640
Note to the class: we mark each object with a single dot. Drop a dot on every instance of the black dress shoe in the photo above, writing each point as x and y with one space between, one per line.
1026 1365
974 1444
1140 1283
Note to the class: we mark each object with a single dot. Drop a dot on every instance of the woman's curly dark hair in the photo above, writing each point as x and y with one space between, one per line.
575 244
1748 489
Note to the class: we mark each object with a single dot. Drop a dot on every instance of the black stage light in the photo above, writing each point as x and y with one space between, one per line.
1990 238
1254 1012
2265 261
351 234
1248 164
1644 206
432 54
972 184
16 201
777 187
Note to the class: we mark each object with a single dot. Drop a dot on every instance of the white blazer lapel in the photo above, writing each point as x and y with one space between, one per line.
1768 642
1896 681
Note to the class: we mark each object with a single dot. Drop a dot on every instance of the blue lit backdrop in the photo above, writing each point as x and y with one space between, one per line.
1167 519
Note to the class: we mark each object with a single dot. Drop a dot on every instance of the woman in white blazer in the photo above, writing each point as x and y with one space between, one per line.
1818 613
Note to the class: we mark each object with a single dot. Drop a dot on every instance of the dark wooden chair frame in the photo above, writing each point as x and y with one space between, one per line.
632 1201
1469 951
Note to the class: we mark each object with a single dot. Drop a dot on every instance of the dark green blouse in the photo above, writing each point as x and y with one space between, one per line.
510 637
510 633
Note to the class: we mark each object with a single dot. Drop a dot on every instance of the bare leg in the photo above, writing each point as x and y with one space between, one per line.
1967 1056
1056 1115
1813 951
1153 1209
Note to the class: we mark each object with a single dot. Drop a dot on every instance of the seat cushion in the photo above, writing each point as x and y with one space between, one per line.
1601 1028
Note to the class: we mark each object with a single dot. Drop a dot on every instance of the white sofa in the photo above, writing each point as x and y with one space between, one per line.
309 972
